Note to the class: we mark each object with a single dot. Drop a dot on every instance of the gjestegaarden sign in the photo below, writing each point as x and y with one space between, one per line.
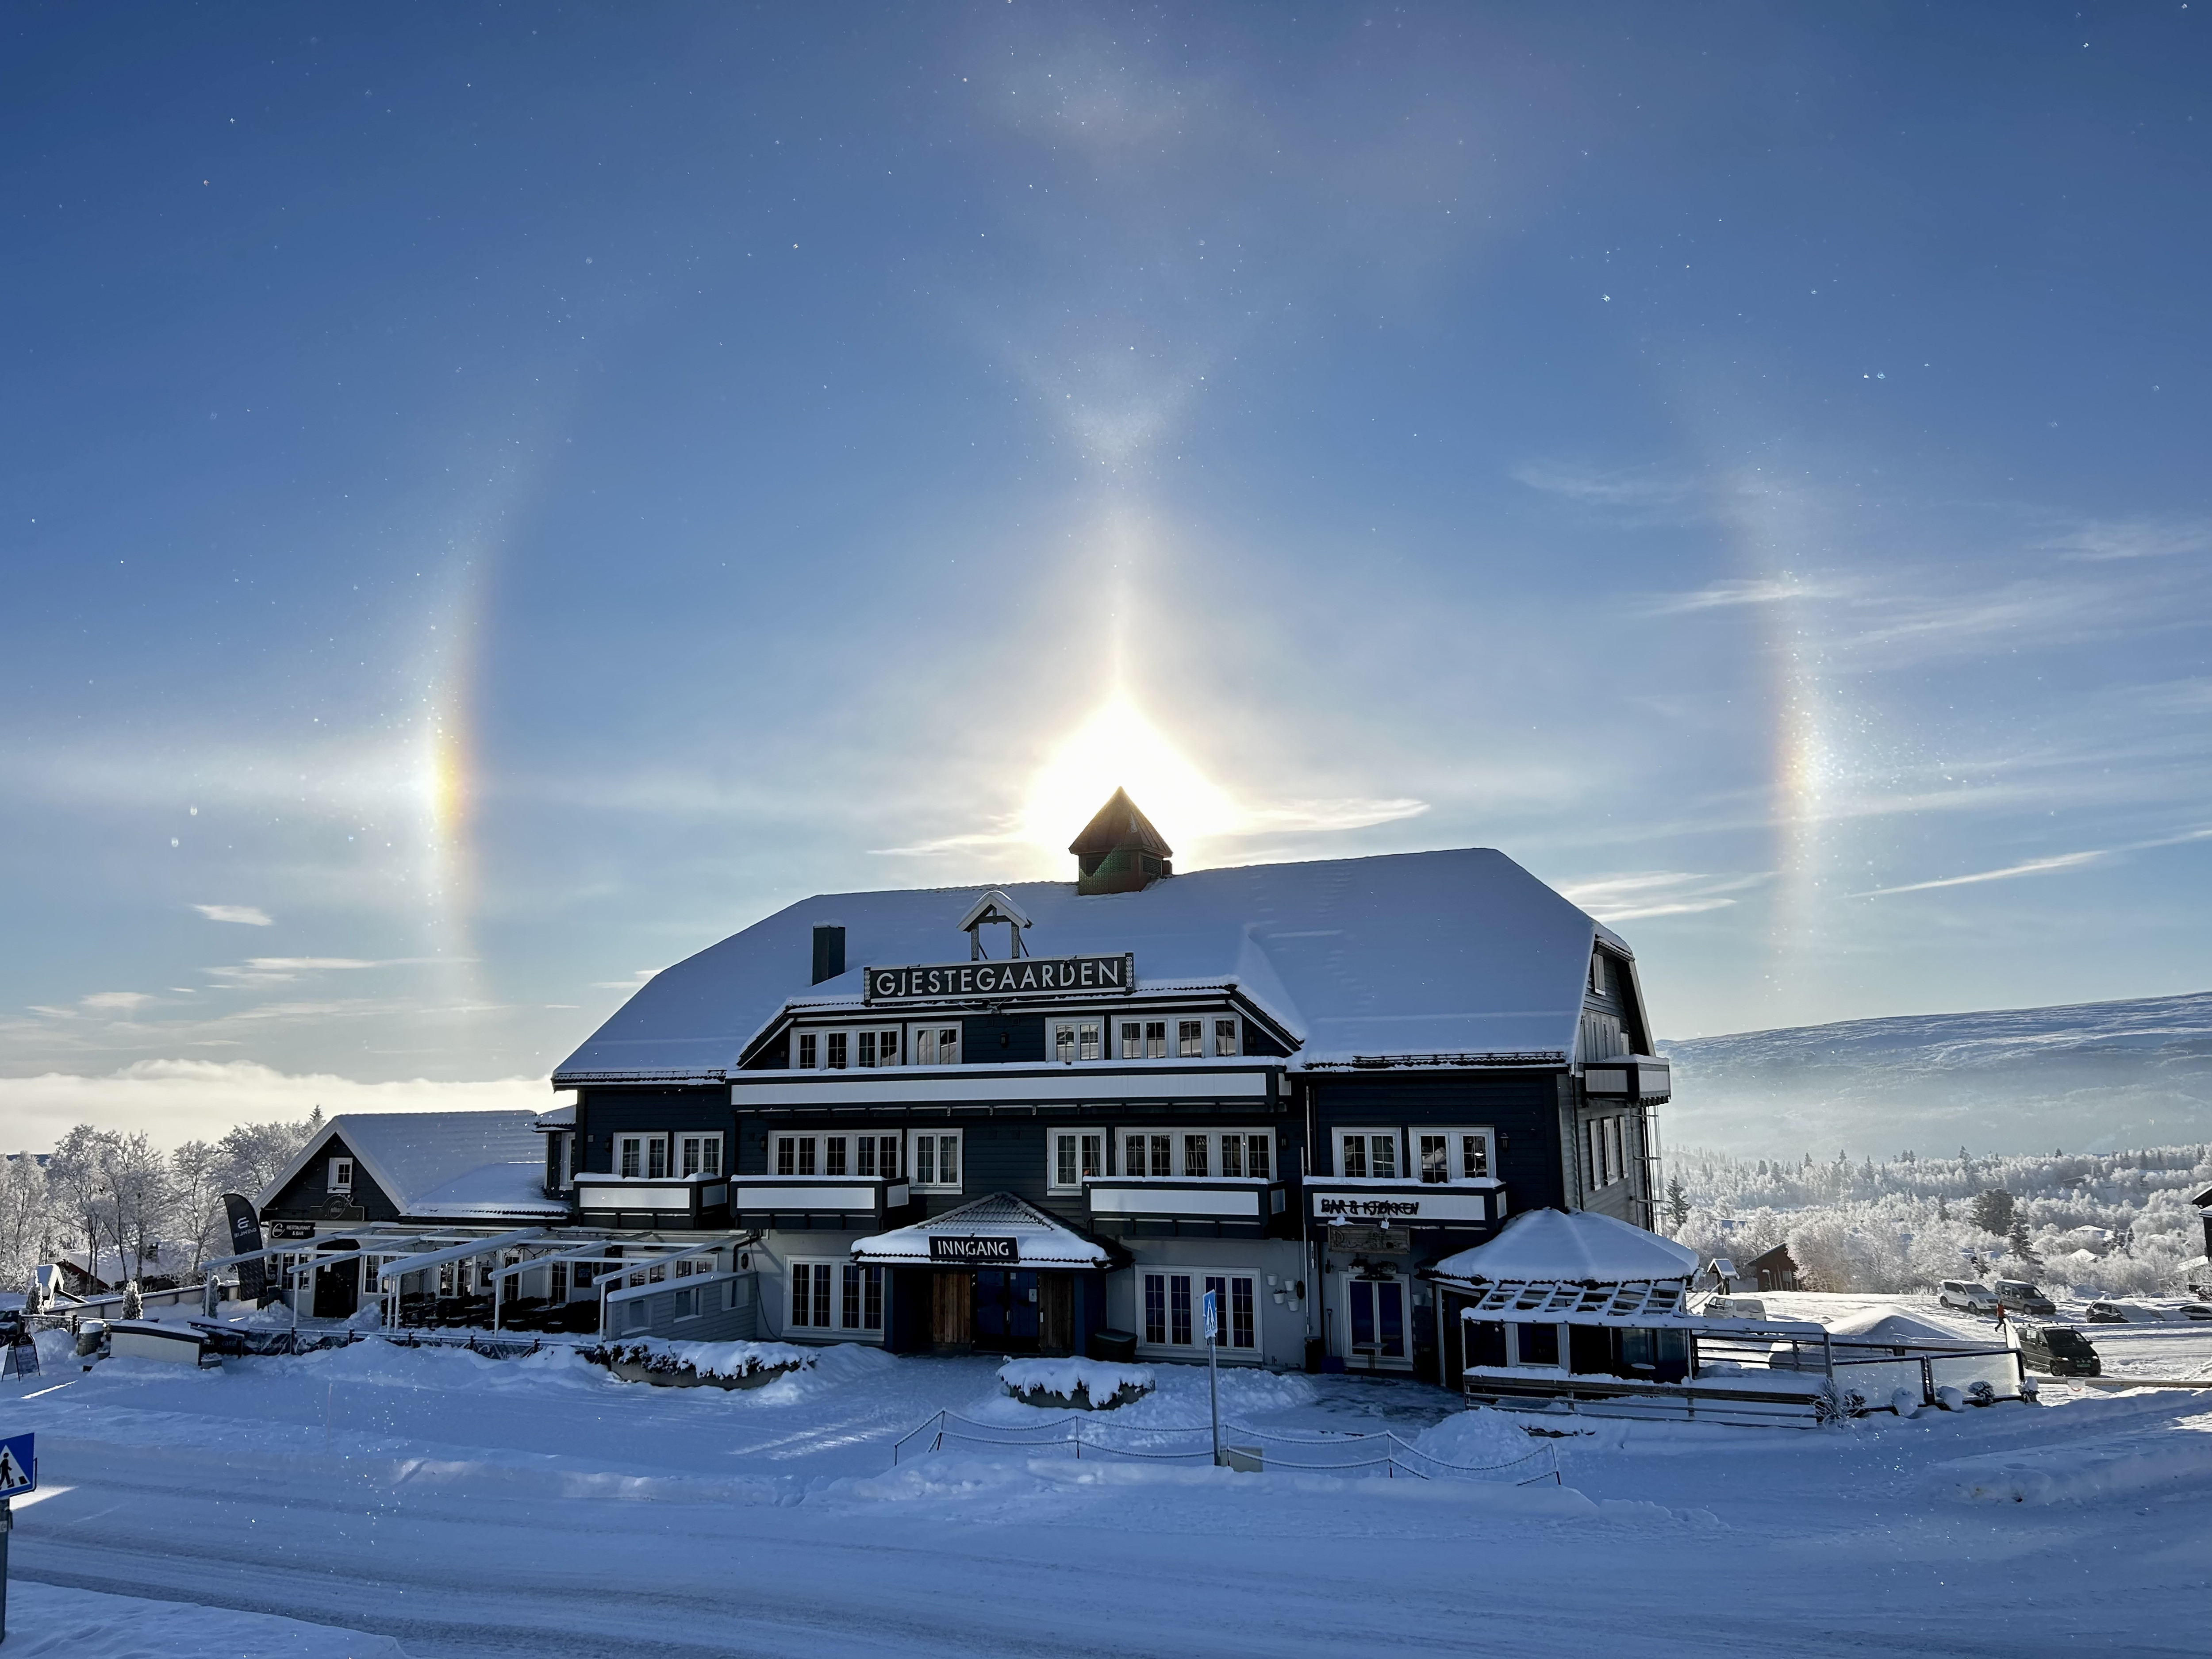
972 1249
1024 976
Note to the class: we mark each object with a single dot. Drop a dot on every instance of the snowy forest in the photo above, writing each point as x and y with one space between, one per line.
136 1210
2106 1223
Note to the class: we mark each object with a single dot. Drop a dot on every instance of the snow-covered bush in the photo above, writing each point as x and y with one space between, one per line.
1083 1384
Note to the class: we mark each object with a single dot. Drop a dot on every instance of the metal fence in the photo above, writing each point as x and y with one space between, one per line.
1253 1448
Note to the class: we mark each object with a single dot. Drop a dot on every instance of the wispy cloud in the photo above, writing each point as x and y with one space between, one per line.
1639 488
2041 866
2135 538
250 915
121 1001
1317 817
1772 590
2033 867
1636 893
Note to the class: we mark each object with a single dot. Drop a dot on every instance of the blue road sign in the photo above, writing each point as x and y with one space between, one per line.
1212 1315
19 1465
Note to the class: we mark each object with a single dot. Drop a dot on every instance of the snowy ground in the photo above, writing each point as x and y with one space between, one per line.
376 1501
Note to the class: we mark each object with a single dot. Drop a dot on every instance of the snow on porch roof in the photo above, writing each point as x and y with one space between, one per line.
1572 1246
1461 951
1039 1240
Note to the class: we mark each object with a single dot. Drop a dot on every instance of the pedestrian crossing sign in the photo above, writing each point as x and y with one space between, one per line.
19 1465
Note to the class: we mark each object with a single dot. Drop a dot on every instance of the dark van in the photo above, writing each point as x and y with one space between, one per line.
2058 1351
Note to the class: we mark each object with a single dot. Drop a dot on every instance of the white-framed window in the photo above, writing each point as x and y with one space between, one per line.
935 1160
806 1050
1227 1039
1448 1155
836 1296
879 1047
1169 1313
863 1156
1367 1154
936 1044
1078 1039
1190 1038
341 1175
701 1155
1238 1154
687 1302
1075 1155
837 1048
1144 1039
641 1155
1604 1151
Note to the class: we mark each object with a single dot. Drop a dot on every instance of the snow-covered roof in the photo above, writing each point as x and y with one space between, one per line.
1040 1240
452 1165
1460 952
1576 1247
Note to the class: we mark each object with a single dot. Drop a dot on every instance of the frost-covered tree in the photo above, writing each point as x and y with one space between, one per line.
1992 1212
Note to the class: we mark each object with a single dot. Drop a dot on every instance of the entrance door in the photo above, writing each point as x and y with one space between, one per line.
1055 1312
951 1318
1007 1308
337 1289
1374 1318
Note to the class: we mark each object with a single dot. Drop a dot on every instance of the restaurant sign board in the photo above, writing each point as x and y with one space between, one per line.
972 1249
1024 976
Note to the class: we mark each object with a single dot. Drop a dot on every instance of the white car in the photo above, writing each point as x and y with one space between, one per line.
1969 1296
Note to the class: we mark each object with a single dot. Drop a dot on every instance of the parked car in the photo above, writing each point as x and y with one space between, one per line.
2196 1310
1734 1307
1969 1295
2107 1313
2058 1351
2021 1296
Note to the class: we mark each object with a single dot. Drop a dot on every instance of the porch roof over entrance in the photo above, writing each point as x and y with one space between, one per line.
1038 1240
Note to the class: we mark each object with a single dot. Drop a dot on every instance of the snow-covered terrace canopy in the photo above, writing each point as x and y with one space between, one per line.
1460 952
1039 1240
1570 1246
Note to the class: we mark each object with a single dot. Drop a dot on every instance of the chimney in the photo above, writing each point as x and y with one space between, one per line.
829 951
1119 850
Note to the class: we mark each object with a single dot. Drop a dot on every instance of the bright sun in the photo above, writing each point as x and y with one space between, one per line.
1117 747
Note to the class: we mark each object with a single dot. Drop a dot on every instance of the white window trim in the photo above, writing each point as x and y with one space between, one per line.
1370 1130
913 1165
935 1027
645 1138
836 1326
1213 1134
1076 1020
1451 1133
1052 1181
335 1184
703 1136
1198 1277
819 1139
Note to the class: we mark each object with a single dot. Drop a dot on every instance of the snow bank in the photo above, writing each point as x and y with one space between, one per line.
47 1618
1480 1439
1085 1384
2071 1474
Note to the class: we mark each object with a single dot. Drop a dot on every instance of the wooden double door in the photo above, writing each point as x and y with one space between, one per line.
1003 1310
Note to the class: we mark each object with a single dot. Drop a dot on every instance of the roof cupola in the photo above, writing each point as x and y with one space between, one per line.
1119 850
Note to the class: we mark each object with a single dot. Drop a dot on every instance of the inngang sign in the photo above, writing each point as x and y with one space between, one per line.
1025 976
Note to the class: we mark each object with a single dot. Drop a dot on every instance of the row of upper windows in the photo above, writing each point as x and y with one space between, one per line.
1070 1042
1438 1155
932 1158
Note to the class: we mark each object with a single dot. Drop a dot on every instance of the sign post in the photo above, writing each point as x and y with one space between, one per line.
1212 1321
18 1473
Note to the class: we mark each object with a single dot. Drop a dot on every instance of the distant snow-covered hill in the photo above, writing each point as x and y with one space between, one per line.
2093 1077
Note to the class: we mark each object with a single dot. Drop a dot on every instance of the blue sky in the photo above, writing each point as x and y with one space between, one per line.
497 499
